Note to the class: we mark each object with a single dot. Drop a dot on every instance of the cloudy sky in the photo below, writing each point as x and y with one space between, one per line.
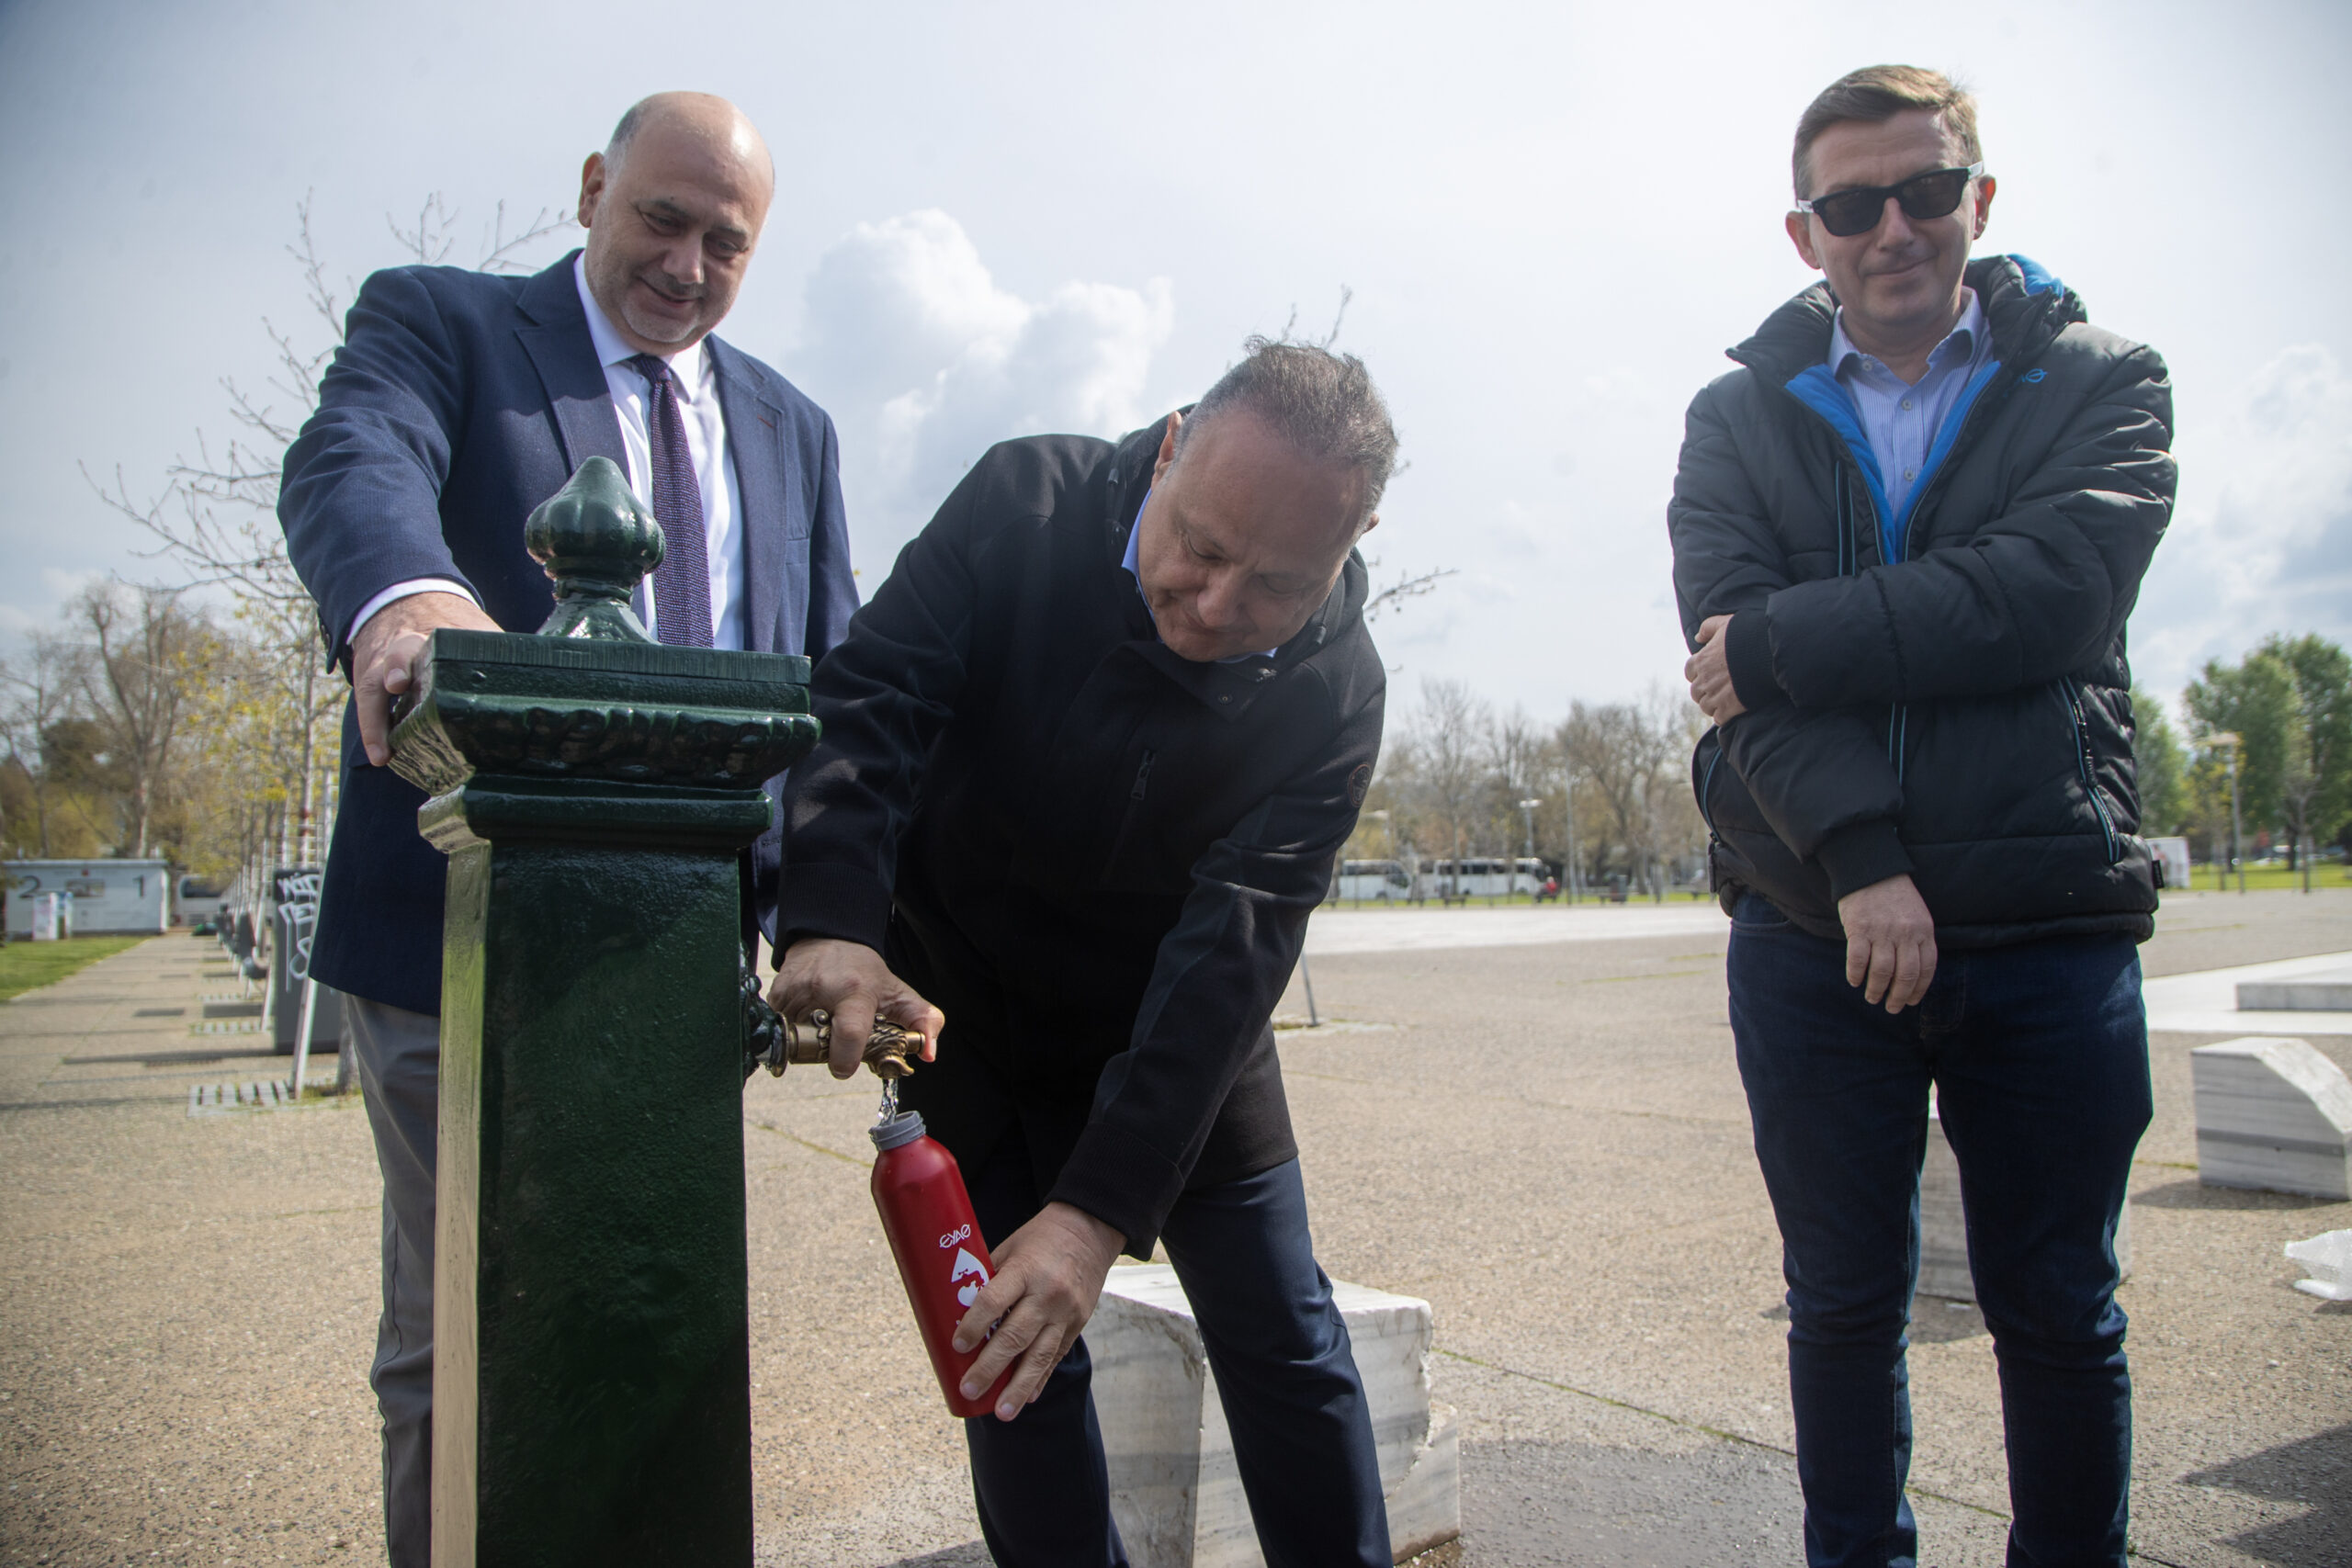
1000 220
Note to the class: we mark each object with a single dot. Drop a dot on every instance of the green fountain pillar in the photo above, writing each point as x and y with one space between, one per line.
594 790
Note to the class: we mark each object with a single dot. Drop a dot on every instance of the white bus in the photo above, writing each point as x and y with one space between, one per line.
1372 881
197 900
1482 877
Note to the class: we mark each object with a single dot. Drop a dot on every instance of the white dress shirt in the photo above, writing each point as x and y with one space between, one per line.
696 380
1902 419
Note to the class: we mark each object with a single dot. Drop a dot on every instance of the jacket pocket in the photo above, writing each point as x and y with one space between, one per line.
1713 758
2072 696
1131 816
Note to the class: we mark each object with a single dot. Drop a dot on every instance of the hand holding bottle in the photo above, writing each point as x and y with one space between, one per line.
1048 1278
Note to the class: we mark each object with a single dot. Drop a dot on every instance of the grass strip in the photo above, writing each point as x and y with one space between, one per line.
28 965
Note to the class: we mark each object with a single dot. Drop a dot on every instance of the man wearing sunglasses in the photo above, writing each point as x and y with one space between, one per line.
1907 532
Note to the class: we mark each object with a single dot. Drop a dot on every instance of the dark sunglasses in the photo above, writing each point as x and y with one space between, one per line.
1932 194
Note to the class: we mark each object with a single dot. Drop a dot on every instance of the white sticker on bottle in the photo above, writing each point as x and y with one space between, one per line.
967 1263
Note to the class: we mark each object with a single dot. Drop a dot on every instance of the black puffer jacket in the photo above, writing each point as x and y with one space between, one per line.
1096 857
1961 713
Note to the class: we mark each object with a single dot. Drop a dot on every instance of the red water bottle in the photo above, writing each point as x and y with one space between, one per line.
942 1259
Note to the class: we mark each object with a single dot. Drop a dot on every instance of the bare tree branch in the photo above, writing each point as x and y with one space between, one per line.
1393 598
498 252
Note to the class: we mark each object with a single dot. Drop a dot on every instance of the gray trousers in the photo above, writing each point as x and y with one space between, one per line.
399 1057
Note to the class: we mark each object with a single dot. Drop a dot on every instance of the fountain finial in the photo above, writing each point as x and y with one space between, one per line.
596 541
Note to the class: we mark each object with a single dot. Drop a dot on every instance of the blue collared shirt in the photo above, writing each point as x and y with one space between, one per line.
1135 555
1902 420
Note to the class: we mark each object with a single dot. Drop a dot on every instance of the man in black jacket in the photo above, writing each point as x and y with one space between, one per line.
1088 755
1907 532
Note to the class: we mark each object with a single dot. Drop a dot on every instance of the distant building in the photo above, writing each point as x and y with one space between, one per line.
110 897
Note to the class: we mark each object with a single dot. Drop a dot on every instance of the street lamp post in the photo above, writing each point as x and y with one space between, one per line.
1576 868
2230 743
1527 809
1388 837
2237 824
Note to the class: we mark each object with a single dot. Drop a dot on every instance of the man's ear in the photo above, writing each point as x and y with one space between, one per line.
1985 187
1167 448
1369 524
592 187
1801 235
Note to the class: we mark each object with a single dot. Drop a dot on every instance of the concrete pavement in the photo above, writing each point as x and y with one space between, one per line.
1547 1141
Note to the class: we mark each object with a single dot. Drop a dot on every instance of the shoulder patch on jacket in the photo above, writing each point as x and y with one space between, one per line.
1359 784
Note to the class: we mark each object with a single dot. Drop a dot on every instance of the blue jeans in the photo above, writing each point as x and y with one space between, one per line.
2038 1056
1302 1434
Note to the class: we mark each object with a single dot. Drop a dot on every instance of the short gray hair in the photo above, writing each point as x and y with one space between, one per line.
1322 403
631 122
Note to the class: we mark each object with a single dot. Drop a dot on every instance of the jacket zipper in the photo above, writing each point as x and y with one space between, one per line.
1848 553
1898 717
1135 809
2083 765
1707 787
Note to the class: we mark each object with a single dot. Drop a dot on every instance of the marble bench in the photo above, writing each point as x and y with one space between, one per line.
1175 1489
2274 1114
2330 992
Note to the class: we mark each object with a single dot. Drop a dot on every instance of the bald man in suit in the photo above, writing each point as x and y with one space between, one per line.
458 402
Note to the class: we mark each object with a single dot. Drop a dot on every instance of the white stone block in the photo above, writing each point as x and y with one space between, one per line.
1943 1223
1943 1227
2328 992
2275 1114
1174 1487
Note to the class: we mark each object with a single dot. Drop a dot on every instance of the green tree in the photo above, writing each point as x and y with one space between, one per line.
2254 700
2316 777
2161 766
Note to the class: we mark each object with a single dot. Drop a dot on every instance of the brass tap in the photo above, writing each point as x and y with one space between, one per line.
887 1049
773 1042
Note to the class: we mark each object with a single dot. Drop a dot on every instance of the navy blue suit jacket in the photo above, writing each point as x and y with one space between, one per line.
458 402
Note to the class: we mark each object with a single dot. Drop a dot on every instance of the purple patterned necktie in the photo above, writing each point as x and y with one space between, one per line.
682 582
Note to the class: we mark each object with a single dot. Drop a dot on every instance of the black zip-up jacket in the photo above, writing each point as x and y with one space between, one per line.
1957 708
1096 857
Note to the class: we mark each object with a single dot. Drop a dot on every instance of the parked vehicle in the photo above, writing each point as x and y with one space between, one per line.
1369 881
199 901
1492 877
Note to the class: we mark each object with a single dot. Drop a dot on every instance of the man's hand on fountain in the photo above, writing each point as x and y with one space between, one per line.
849 980
1048 1278
386 650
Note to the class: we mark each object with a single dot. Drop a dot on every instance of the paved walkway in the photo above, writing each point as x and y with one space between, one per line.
1372 929
1547 1141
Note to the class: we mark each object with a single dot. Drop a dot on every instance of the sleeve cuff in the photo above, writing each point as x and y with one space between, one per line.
1121 1181
840 901
1747 655
1861 853
397 591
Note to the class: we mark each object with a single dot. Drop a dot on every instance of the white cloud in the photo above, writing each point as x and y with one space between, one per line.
925 362
2261 542
63 584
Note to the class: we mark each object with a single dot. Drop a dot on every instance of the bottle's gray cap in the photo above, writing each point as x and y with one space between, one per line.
900 1130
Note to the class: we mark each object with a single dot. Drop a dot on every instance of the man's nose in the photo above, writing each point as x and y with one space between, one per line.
1218 604
1895 225
682 258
